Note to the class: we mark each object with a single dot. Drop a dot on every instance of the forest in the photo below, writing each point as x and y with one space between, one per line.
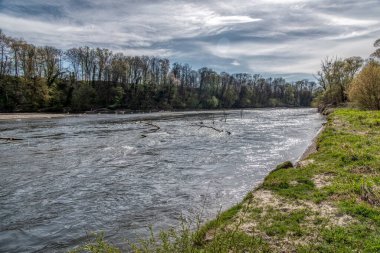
44 78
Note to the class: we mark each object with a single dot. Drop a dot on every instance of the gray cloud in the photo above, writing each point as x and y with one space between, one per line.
274 37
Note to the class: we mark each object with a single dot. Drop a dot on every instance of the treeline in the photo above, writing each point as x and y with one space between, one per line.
350 80
46 78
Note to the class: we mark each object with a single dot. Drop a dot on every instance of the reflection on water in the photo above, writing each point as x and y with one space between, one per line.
121 173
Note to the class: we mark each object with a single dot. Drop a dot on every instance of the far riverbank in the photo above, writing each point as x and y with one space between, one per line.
18 116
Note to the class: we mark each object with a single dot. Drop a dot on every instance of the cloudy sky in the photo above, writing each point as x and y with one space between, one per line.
271 37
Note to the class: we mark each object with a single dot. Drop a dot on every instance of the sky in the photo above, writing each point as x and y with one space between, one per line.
286 38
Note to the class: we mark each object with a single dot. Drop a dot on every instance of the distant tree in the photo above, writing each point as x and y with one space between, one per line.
212 103
335 77
5 59
376 54
245 97
83 97
51 58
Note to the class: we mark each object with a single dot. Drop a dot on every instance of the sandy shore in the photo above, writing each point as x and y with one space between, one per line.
17 116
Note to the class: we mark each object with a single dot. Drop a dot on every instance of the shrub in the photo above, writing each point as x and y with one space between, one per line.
365 88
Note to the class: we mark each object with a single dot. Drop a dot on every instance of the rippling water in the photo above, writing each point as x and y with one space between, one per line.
121 173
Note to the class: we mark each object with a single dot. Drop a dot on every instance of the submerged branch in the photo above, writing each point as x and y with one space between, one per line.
153 125
213 128
10 139
155 129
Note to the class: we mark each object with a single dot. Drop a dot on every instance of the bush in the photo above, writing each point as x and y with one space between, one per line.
212 103
365 88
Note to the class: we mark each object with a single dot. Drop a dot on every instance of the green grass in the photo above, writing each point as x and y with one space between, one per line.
283 223
331 204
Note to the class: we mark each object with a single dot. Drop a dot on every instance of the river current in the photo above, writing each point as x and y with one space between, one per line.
67 178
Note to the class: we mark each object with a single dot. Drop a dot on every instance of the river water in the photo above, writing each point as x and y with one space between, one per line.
120 174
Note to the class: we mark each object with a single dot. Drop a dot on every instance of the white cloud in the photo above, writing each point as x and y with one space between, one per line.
21 25
245 49
352 34
228 20
336 20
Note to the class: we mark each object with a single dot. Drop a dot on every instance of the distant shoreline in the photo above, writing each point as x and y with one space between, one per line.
42 115
19 116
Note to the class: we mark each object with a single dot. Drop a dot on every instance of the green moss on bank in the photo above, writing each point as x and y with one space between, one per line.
331 203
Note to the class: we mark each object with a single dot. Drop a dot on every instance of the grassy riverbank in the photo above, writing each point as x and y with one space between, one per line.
330 203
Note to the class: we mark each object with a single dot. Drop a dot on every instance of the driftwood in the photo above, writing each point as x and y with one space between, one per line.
213 128
153 125
10 139
155 129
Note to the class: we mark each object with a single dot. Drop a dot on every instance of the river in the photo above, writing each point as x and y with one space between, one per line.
119 174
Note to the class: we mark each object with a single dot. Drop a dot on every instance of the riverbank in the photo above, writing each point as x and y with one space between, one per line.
23 116
330 203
